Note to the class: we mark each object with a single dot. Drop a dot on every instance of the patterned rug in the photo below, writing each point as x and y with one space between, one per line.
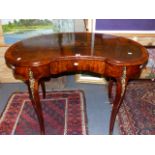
137 113
64 113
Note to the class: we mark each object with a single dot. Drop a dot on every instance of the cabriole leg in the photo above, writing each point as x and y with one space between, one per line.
120 91
33 86
110 85
43 88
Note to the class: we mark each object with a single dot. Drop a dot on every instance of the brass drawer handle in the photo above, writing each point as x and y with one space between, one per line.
76 63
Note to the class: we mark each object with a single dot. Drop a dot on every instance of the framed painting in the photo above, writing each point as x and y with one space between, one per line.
140 30
18 29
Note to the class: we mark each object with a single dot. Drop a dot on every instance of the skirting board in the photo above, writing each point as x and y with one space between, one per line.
83 78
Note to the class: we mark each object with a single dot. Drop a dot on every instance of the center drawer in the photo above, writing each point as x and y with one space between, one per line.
77 65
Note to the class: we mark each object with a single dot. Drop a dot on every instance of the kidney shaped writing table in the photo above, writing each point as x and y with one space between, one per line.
116 57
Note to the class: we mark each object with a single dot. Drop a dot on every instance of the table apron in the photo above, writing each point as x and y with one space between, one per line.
116 71
58 67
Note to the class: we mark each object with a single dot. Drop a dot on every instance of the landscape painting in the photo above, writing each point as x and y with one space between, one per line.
18 29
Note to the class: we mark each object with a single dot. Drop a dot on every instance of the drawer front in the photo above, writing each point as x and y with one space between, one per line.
38 72
77 65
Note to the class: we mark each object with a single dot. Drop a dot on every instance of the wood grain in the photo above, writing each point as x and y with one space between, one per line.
56 54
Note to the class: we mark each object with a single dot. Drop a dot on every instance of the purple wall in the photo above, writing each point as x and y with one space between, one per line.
125 24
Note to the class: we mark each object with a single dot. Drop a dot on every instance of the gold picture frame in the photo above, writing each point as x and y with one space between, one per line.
84 78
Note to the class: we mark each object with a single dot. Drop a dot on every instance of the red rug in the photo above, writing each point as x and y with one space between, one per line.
64 113
137 113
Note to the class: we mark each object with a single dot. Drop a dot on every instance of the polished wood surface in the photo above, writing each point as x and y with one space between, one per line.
43 56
